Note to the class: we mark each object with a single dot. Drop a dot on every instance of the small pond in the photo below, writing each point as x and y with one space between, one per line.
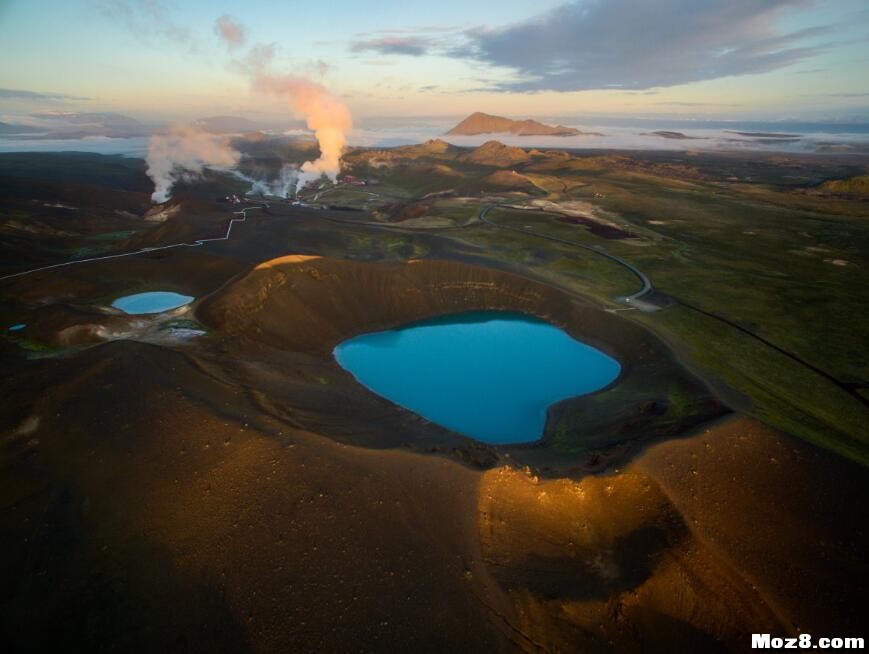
151 302
489 375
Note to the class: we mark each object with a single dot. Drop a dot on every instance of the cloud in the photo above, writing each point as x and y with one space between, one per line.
420 29
231 32
21 94
257 58
74 124
87 118
847 95
145 20
413 46
320 67
636 44
699 104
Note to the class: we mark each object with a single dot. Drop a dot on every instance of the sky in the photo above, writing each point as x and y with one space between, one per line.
162 60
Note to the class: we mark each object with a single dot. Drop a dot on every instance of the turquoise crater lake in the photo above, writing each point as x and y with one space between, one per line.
489 375
151 302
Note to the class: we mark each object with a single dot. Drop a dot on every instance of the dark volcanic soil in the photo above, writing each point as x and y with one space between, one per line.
239 491
242 493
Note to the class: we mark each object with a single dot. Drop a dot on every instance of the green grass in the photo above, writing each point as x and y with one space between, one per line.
583 271
777 281
34 348
680 404
99 244
112 236
763 265
15 214
783 393
392 247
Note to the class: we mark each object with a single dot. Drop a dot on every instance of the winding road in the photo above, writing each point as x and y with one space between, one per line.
646 287
189 244
850 389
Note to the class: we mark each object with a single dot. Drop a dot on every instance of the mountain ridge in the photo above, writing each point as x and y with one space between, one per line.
482 123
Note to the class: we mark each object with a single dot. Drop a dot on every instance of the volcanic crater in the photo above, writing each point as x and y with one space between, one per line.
238 474
292 311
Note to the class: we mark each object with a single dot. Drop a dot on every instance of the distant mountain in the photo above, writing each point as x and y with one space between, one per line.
495 153
676 136
227 124
766 135
87 118
76 125
480 123
432 147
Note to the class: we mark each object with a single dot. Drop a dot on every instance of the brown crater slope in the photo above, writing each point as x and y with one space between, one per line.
174 500
301 306
694 546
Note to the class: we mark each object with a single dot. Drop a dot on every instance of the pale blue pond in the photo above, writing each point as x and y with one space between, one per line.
151 302
489 375
17 327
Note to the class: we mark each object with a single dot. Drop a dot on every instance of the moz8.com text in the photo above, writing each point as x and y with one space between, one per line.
804 641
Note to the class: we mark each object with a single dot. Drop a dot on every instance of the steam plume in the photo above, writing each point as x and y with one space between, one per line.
232 33
184 151
283 185
328 117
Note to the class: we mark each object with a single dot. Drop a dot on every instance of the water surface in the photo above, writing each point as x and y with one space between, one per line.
489 375
151 302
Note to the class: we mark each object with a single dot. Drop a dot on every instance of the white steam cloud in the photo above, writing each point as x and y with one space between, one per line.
183 152
186 150
284 185
328 117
